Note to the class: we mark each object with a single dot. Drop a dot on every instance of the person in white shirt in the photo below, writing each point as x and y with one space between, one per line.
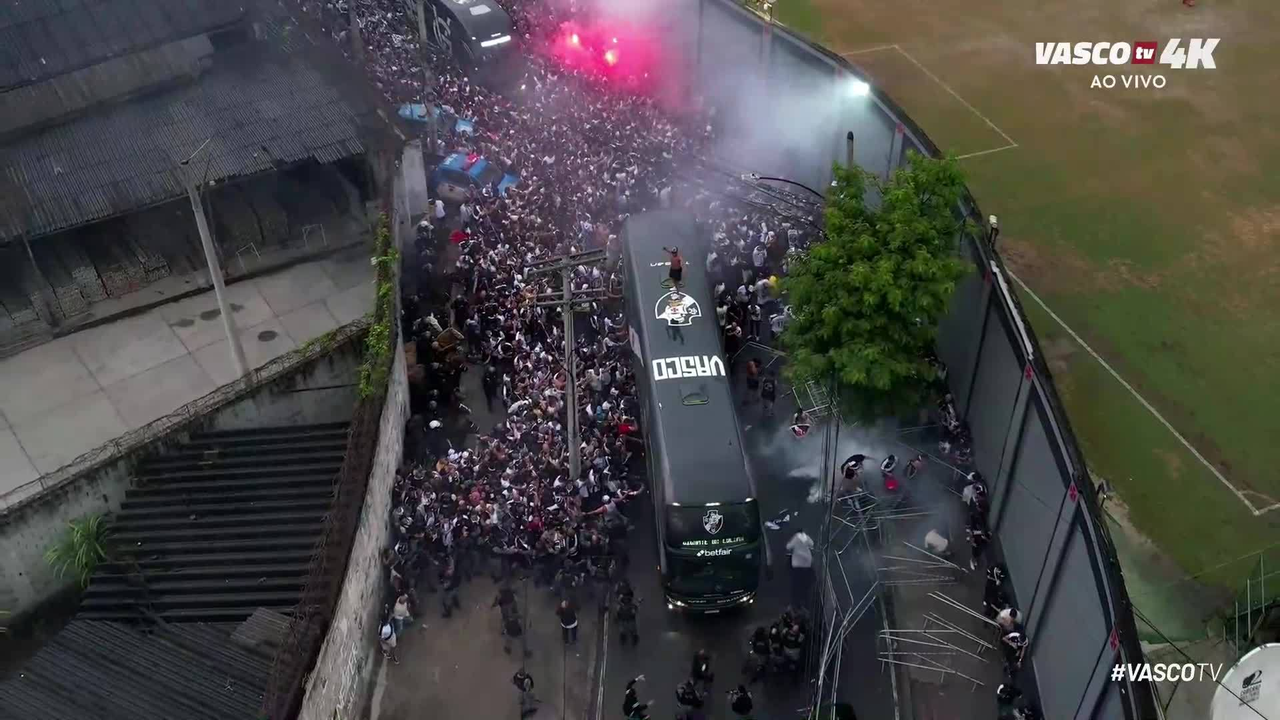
800 547
777 323
439 209
764 291
758 257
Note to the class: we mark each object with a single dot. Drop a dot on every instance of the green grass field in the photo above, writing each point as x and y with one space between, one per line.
1148 220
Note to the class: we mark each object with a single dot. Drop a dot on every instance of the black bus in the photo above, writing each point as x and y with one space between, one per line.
710 544
478 33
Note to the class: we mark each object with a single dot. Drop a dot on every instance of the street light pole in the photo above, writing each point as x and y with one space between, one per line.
215 267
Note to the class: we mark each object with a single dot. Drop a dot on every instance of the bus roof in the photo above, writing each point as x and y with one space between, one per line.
481 19
693 426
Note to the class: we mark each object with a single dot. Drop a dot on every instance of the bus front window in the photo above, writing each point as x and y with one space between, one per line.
696 577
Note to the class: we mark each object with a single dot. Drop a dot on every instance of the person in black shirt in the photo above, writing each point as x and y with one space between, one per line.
632 708
688 696
700 672
626 617
449 582
491 383
740 701
524 683
768 394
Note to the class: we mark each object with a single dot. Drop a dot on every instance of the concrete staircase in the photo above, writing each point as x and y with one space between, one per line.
219 527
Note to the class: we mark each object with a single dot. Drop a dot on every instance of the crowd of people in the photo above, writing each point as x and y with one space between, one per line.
588 154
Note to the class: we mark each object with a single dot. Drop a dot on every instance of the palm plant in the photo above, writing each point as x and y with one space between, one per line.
82 546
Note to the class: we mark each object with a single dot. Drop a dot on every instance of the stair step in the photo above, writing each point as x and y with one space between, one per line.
144 538
197 502
330 436
159 588
182 512
181 550
196 488
236 451
165 464
185 522
214 473
117 574
210 601
270 431
200 562
211 616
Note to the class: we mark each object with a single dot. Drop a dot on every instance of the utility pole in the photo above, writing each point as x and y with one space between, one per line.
429 81
215 267
566 299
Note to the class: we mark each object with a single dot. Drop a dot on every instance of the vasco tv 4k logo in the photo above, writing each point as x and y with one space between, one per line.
1197 54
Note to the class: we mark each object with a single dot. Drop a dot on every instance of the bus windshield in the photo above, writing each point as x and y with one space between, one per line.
691 528
718 576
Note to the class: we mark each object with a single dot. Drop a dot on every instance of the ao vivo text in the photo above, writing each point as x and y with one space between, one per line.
1197 54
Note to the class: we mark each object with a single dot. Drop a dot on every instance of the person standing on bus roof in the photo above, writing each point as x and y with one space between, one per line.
677 266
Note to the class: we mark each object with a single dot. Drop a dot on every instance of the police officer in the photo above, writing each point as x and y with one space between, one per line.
687 695
625 614
449 583
740 701
490 382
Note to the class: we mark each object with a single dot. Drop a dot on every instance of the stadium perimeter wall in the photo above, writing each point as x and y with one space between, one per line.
1045 512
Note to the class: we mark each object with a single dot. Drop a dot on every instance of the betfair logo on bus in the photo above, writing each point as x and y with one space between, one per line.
1197 54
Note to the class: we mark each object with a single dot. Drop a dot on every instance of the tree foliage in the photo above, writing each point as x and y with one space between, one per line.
868 299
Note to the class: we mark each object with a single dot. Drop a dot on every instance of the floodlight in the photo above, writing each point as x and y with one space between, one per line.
611 57
574 39
858 88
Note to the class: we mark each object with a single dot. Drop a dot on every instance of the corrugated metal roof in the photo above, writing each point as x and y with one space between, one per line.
258 107
112 671
40 39
40 103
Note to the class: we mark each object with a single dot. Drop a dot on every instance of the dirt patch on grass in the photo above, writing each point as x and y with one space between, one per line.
1060 270
1050 270
1059 353
1172 463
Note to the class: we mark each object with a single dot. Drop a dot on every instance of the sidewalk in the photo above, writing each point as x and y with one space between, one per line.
455 668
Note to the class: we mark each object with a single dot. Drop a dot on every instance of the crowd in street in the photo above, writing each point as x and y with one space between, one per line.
588 154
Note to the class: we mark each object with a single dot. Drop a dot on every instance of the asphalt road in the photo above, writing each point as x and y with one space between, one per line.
786 470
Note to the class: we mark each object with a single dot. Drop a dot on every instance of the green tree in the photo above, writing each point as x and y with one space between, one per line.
81 548
867 300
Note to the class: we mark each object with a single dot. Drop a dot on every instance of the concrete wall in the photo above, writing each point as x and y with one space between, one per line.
28 529
339 684
793 111
325 392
